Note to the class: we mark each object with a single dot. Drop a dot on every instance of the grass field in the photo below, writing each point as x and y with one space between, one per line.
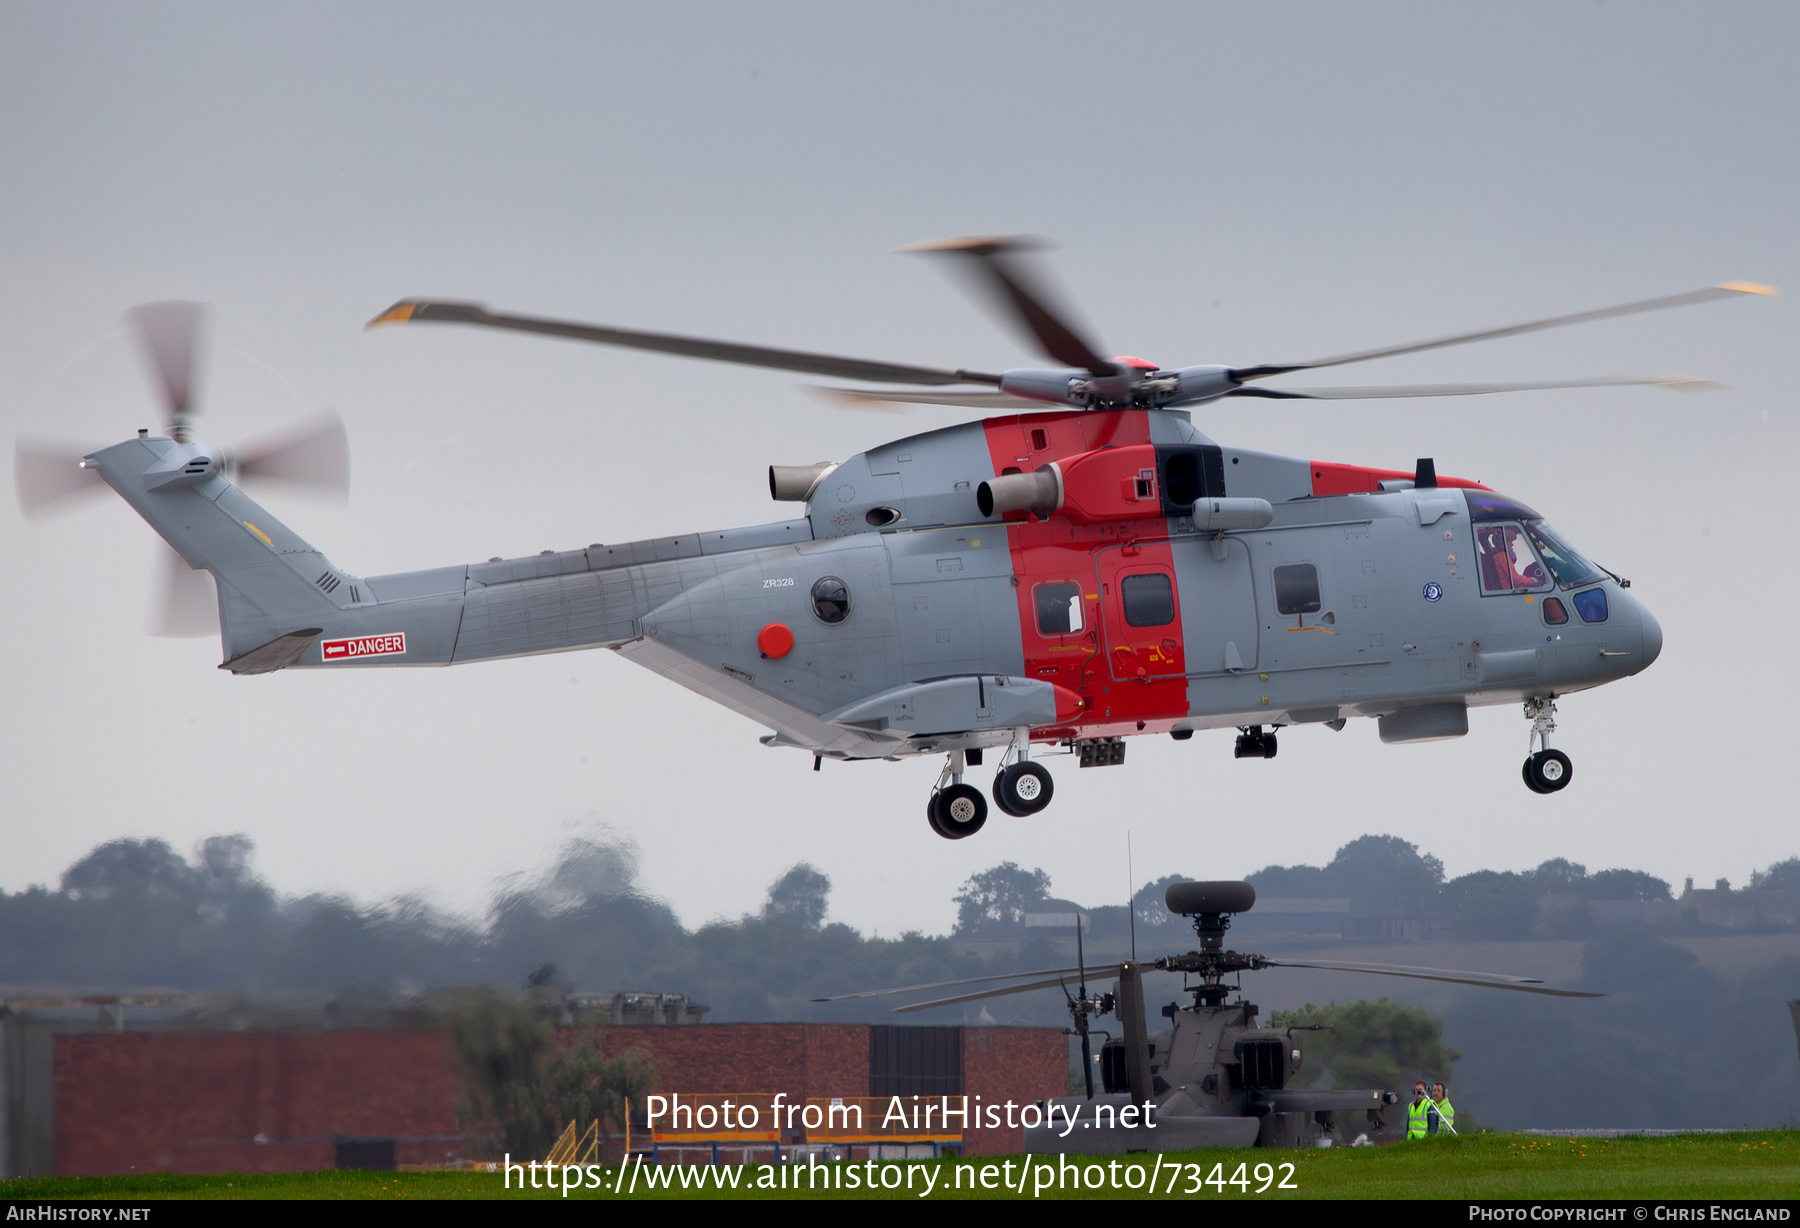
1756 1165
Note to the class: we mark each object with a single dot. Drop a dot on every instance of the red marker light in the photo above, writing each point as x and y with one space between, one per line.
775 641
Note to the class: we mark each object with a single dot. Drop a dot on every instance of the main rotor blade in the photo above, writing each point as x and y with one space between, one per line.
48 477
894 400
1019 290
313 453
170 336
445 311
967 980
1109 970
1723 290
1522 984
1678 383
187 603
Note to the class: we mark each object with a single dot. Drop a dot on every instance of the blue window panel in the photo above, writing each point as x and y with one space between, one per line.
1486 505
1591 605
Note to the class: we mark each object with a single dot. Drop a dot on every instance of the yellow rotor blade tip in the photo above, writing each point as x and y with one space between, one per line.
399 313
1749 287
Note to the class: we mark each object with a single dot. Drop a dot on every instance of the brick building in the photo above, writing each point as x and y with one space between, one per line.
110 1095
859 1059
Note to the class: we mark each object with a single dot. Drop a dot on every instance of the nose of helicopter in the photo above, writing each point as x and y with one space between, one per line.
1653 635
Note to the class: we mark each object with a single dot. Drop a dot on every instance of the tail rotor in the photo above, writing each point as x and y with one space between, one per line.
314 455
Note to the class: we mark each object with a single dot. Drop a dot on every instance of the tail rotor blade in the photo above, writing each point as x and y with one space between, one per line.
313 453
187 603
48 477
170 336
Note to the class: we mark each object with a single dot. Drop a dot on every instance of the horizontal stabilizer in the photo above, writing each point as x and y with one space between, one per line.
278 653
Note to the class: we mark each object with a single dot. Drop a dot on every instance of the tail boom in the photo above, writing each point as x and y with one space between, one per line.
283 604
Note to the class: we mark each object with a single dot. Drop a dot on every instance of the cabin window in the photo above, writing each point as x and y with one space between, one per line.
1149 599
1505 560
831 600
1058 608
1591 605
1297 588
1555 613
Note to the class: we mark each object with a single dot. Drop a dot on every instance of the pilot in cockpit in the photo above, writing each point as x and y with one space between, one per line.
1507 561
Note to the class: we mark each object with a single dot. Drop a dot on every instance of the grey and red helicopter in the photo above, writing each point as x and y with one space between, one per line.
1082 568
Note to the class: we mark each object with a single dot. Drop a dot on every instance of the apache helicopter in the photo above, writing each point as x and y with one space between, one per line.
1090 570
1212 1078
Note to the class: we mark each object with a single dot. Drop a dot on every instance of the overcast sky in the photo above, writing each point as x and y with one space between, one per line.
1227 183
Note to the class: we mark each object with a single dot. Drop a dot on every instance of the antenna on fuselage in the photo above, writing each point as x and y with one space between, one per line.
1130 897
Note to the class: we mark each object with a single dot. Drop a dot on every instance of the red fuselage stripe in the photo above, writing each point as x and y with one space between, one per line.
1127 677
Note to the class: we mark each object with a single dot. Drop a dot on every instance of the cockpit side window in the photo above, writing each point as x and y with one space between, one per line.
1591 605
1569 568
1505 560
1058 608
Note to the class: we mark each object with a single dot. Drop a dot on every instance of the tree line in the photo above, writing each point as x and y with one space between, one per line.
1673 1044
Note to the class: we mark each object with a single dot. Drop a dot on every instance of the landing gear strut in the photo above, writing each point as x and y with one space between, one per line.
956 810
1253 743
1546 770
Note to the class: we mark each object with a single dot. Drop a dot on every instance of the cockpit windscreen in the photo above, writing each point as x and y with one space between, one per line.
1569 568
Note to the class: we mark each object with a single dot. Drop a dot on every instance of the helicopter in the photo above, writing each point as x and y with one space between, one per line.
1212 1078
1085 568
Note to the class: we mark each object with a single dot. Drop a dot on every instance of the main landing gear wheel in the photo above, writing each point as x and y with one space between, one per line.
1022 789
931 816
957 811
1548 771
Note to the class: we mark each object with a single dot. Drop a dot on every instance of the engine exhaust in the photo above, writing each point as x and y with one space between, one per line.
1040 492
796 483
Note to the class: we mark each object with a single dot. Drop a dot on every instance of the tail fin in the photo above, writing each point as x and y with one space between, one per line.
272 583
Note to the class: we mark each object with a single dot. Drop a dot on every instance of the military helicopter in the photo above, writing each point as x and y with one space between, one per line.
1212 1077
1090 570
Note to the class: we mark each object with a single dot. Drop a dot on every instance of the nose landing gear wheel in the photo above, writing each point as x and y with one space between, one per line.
1548 771
1024 788
1253 743
957 811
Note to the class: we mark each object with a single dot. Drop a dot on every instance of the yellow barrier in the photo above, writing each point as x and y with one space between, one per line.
571 1150
744 1120
868 1120
754 1120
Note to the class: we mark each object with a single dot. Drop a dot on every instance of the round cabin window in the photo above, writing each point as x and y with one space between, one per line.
831 600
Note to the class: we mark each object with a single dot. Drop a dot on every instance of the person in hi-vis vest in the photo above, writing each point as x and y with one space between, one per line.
1416 1110
1440 1111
